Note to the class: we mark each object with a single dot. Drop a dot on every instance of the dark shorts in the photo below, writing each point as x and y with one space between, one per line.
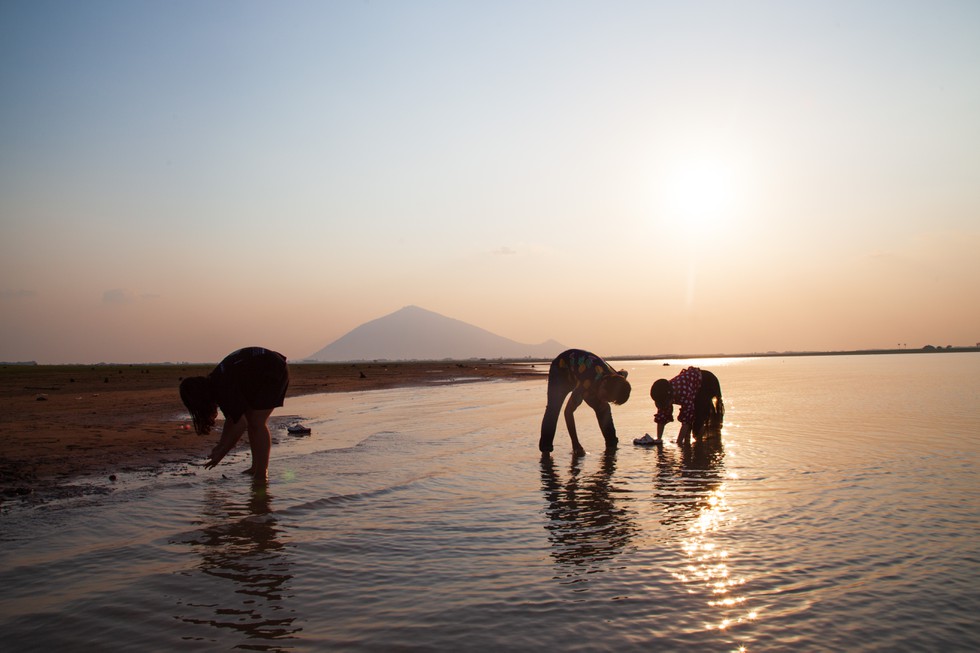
266 384
250 379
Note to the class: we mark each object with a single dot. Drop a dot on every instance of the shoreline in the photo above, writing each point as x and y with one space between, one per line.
80 423
928 349
63 423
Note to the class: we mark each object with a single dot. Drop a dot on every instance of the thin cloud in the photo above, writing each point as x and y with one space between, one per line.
118 296
522 249
14 295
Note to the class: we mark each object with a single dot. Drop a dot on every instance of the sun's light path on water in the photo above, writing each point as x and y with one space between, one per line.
707 569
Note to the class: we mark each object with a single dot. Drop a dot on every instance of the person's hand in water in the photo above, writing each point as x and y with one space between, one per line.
216 455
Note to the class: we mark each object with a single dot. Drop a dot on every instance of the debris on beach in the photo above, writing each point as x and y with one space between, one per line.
298 429
647 441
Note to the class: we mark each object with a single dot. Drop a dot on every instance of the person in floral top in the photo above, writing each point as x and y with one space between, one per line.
590 379
698 393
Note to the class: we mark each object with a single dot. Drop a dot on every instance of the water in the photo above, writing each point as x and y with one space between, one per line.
839 511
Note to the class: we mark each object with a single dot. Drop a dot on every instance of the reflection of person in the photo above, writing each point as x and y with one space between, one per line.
687 478
590 379
698 393
588 523
247 386
248 572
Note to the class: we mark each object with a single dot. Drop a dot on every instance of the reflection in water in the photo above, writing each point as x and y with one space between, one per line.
588 526
240 543
687 476
691 488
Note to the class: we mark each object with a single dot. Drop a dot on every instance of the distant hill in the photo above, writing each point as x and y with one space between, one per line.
414 333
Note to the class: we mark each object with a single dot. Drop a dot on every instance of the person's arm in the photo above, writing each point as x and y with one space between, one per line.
664 416
574 402
231 433
686 416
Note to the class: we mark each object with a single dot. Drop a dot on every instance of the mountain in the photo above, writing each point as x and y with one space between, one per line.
414 333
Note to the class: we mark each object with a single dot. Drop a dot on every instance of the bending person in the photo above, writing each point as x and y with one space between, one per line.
698 393
247 386
590 379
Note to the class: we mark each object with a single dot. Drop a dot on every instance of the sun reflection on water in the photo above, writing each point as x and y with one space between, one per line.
702 489
708 564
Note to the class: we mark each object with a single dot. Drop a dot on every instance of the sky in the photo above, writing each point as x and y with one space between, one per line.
180 179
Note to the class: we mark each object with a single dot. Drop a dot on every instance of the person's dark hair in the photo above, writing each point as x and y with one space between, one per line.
661 392
618 388
195 392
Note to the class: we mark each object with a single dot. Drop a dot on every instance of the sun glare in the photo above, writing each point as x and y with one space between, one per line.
702 192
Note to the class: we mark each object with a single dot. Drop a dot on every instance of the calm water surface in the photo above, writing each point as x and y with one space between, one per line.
840 510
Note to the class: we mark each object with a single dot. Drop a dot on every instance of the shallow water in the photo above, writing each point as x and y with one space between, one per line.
840 510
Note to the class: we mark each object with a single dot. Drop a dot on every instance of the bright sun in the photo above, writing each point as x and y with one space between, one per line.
702 192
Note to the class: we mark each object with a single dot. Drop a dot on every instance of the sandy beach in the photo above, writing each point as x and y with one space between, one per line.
62 421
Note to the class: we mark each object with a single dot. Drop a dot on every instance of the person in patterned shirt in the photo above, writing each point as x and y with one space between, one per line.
590 379
698 393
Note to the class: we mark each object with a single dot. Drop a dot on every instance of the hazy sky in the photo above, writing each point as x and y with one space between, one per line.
180 179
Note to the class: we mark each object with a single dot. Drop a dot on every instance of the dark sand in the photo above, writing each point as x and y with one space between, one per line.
60 422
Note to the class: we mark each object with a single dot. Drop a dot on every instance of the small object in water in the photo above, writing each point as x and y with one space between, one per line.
298 429
112 477
647 441
41 397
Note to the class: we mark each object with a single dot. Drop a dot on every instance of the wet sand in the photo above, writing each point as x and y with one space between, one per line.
63 421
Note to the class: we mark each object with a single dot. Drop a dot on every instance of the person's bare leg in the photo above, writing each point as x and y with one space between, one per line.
684 437
259 440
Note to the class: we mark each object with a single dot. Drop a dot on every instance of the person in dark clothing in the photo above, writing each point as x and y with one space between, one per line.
698 393
247 386
590 379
